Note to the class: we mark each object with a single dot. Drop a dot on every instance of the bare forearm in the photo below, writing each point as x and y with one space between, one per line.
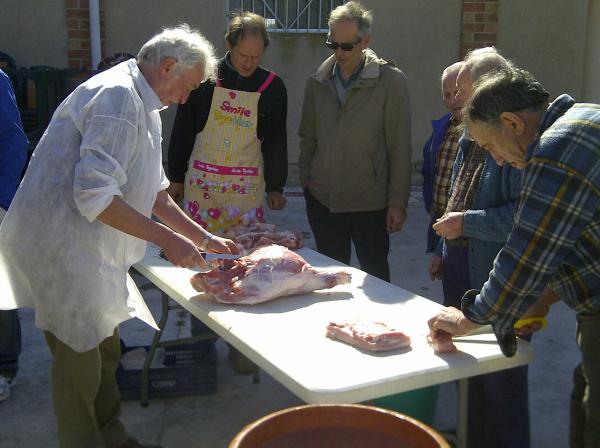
123 217
172 215
180 248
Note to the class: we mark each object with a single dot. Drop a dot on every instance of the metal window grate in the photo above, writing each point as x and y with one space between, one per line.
288 16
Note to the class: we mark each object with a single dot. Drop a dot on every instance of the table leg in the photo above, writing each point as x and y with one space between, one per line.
463 402
150 356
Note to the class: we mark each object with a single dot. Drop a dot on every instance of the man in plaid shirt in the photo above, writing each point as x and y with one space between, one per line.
439 153
556 238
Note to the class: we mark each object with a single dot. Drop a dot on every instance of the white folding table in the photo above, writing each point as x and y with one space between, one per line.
286 337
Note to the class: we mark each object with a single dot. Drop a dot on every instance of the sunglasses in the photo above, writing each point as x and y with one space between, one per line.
345 46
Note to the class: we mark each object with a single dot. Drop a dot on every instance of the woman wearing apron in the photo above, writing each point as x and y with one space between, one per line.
229 143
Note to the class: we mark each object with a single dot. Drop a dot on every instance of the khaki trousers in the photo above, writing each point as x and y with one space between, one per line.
87 403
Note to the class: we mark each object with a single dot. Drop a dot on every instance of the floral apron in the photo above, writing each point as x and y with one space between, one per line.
224 184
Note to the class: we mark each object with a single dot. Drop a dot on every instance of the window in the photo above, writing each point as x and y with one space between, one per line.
289 16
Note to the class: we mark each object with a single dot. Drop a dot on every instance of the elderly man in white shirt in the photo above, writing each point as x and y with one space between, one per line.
82 217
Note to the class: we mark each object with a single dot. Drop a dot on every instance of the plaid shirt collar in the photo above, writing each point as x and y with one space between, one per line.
556 110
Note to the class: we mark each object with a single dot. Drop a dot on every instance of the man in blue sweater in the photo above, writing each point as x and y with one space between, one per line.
13 155
439 153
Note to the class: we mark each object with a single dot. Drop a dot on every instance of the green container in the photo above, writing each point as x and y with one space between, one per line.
418 403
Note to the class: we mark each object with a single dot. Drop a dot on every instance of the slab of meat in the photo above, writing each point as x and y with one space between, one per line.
241 229
442 342
372 336
251 241
269 272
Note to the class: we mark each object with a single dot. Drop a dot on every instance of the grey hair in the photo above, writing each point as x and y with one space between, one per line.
451 69
508 90
184 44
485 60
475 52
353 11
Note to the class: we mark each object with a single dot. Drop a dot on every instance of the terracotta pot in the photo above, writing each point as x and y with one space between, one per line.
348 426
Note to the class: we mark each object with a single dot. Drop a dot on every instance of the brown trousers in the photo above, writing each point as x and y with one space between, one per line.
87 402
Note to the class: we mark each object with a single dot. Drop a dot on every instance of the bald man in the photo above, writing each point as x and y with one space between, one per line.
439 153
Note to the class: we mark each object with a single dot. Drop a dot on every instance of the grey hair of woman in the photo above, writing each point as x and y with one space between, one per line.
353 11
508 90
184 44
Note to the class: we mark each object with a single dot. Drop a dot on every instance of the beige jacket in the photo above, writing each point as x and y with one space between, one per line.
356 157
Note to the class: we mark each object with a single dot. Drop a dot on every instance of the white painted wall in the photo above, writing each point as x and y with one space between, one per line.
591 68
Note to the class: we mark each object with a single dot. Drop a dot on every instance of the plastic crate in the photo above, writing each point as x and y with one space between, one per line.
188 370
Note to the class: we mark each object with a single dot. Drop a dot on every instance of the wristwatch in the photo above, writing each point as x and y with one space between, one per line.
205 242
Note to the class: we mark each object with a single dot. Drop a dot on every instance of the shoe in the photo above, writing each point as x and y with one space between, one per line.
240 363
6 382
133 443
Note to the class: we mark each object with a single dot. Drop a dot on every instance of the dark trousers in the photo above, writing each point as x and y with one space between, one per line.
432 238
334 233
498 410
585 397
10 342
455 274
199 328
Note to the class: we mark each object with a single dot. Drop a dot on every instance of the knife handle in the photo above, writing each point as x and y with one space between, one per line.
531 320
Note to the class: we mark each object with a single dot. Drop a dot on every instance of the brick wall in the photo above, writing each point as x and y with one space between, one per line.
479 24
78 33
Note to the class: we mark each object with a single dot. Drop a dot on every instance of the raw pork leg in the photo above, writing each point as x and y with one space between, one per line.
374 336
269 272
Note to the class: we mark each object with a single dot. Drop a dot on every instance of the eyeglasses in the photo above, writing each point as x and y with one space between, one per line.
345 46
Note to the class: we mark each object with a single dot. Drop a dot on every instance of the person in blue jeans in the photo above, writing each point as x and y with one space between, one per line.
10 349
13 156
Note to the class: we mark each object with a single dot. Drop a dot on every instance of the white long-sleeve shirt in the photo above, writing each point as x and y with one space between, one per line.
103 141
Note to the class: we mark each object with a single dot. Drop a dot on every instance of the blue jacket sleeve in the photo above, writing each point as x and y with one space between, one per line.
494 223
427 174
13 143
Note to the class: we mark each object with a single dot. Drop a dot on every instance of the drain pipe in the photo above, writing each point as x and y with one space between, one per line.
95 32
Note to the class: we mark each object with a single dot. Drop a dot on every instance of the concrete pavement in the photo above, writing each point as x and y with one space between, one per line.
211 421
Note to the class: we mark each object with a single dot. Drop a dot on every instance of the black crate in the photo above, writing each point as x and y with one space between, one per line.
189 370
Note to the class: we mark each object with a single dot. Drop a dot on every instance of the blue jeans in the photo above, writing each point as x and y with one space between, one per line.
10 342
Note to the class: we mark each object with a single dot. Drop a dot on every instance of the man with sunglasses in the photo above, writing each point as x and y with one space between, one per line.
355 146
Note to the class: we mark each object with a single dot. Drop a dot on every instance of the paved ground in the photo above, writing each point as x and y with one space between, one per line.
211 421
